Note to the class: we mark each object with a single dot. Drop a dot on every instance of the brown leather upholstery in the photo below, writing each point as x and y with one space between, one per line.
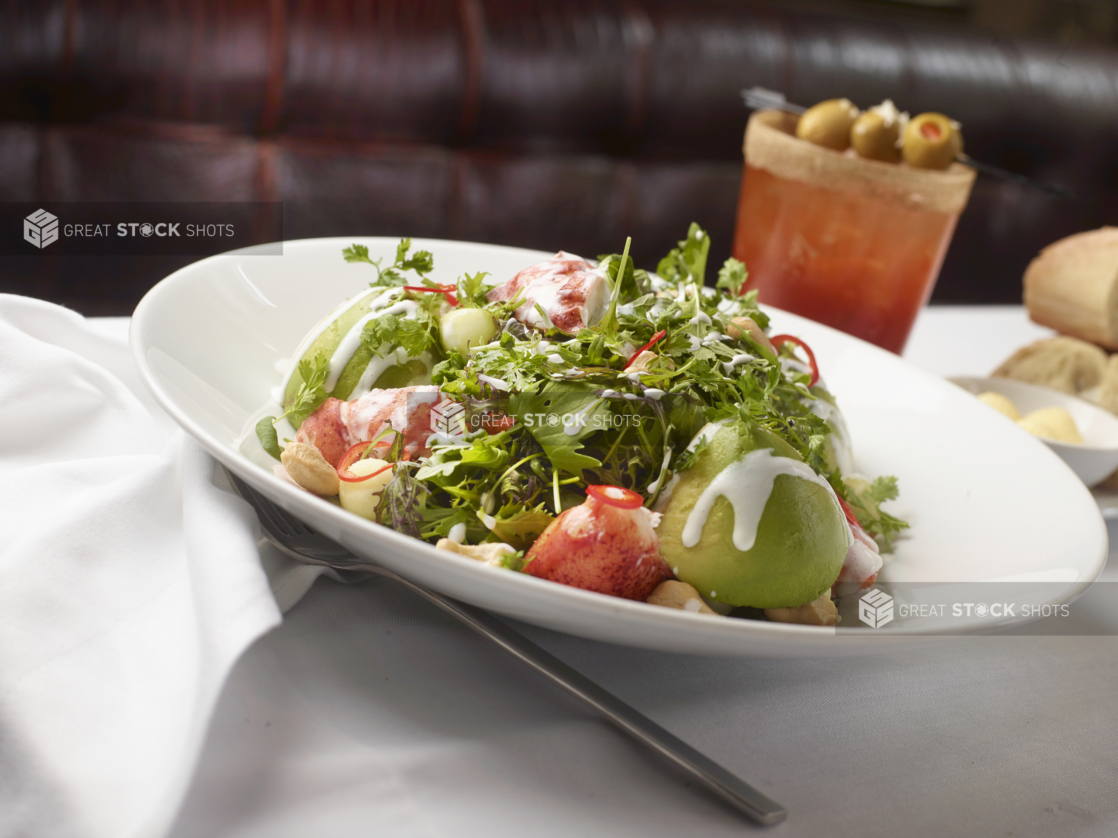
552 125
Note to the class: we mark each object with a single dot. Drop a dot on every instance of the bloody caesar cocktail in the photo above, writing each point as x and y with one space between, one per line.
853 243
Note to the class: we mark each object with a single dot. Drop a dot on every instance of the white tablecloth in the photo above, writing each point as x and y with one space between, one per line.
370 713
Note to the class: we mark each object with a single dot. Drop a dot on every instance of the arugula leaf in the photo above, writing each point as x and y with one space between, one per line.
689 260
266 433
543 415
484 451
732 276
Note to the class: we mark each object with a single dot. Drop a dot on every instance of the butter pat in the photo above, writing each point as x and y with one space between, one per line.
1052 423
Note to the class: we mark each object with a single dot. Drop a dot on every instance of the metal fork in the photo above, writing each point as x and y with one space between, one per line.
299 541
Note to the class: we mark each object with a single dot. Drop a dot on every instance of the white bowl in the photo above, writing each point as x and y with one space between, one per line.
210 339
1096 458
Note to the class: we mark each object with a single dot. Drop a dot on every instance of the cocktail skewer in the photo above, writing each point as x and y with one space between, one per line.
760 97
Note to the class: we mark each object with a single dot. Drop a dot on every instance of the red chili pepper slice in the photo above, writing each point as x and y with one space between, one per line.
655 338
357 452
851 518
777 340
616 496
448 290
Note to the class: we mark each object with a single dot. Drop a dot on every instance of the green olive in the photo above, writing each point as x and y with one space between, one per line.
828 124
463 328
931 141
875 137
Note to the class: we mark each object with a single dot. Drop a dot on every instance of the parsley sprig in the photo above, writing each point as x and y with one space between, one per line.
422 262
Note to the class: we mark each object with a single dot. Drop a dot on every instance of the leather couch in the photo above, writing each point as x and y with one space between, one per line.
550 125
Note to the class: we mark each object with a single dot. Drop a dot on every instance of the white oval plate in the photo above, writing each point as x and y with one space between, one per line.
211 339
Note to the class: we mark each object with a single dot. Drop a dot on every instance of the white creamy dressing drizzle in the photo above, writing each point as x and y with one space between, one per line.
377 366
352 340
656 310
705 434
457 533
627 309
655 484
701 317
578 420
314 335
747 485
792 365
439 439
695 342
495 383
654 393
728 366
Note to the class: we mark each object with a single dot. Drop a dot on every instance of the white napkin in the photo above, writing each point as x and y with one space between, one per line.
129 586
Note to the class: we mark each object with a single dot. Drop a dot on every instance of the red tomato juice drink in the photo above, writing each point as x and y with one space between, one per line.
853 243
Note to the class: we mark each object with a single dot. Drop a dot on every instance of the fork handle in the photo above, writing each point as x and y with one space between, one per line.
726 785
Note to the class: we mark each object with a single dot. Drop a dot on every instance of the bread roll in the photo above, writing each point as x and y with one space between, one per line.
1072 286
1062 363
1108 392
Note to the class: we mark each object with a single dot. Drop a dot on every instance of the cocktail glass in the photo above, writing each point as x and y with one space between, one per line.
853 243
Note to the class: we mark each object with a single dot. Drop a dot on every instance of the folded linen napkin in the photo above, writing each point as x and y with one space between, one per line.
129 585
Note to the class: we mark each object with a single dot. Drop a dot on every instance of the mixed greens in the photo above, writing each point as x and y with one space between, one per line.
561 412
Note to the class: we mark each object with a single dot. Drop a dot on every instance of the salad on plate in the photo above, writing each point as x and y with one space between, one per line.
638 435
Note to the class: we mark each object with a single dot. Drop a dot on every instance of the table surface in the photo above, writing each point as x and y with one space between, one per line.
369 712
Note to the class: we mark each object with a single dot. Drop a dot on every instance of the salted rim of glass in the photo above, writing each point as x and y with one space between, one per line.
771 144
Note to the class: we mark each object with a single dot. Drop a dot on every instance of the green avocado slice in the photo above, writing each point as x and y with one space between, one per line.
325 344
801 539
414 372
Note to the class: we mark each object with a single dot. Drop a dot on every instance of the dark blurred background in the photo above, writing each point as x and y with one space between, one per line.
551 125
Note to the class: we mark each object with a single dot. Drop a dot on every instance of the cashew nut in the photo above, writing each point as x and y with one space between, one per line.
490 553
309 469
747 325
818 612
674 594
643 361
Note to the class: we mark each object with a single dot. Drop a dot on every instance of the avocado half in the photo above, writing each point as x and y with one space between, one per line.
415 371
801 537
